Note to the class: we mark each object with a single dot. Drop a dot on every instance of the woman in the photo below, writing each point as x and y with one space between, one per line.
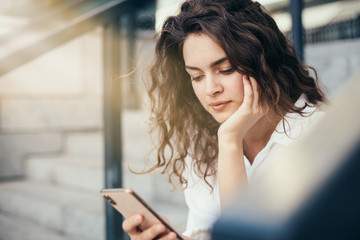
227 90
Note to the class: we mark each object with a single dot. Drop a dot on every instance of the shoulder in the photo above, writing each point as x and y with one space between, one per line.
294 125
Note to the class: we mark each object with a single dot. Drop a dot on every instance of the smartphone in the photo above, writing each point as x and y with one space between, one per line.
128 203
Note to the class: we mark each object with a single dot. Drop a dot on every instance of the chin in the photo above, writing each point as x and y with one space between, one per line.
221 119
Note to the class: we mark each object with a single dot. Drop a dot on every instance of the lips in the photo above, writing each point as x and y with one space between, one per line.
219 105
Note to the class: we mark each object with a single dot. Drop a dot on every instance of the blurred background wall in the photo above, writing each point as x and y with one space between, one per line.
51 110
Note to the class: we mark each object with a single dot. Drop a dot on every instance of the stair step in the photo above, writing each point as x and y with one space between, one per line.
136 139
85 174
71 171
15 228
73 213
85 144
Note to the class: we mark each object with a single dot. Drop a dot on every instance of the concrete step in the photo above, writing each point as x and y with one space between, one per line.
85 174
88 144
15 228
74 172
44 114
136 139
70 212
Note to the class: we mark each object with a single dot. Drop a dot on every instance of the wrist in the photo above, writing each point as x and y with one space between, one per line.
227 143
230 134
230 139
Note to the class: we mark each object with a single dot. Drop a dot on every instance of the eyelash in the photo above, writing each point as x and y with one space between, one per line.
225 72
197 78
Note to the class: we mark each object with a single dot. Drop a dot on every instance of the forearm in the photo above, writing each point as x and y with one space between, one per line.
231 167
231 170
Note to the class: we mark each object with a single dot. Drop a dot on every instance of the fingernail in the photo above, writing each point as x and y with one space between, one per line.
137 218
159 228
171 236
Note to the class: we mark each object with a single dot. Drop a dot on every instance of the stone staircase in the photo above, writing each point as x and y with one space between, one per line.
59 198
51 134
59 194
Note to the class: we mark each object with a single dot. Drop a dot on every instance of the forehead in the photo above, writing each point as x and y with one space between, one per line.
200 49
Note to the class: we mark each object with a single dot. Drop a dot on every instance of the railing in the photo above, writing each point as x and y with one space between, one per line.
349 29
90 14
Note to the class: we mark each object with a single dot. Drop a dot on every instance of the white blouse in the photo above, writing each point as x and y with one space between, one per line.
204 204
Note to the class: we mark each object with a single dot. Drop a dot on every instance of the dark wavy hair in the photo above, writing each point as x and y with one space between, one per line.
254 44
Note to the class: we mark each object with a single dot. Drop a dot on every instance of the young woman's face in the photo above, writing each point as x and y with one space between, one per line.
217 85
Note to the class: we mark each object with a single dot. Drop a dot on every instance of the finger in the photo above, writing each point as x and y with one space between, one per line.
165 218
256 97
131 223
248 92
153 231
169 236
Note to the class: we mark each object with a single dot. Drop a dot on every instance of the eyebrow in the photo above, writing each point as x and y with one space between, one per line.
217 62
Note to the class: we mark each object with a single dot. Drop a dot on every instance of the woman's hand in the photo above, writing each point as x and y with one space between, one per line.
131 226
249 112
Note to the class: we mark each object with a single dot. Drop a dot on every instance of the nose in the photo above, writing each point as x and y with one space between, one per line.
213 85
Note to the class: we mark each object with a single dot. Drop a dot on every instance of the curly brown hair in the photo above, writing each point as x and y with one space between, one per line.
254 44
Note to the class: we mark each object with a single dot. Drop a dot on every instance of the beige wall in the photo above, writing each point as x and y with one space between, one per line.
58 92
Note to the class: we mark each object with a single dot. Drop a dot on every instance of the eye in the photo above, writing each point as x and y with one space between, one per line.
197 78
227 71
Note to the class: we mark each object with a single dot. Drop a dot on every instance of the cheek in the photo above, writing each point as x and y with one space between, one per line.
240 88
236 85
199 91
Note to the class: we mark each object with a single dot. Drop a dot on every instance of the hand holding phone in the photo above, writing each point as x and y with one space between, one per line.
128 203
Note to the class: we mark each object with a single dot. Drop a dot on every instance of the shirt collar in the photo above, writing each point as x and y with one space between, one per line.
290 127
